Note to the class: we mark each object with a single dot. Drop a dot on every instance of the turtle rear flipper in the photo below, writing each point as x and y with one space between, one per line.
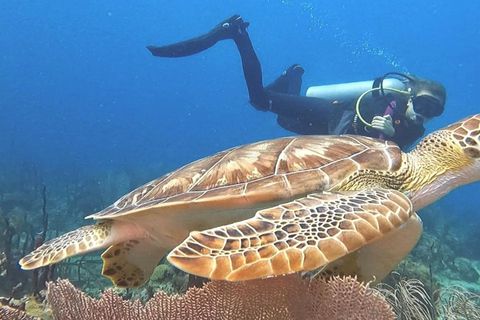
79 241
301 235
131 263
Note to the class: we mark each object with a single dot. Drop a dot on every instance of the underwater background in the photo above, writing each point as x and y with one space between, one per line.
89 113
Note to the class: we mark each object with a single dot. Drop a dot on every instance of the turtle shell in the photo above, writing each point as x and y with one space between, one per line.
260 173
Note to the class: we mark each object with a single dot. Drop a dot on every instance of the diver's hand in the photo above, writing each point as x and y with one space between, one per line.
384 124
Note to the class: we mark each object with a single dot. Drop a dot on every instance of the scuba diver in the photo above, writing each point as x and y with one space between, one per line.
393 107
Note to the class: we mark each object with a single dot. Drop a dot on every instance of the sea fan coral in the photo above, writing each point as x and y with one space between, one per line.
285 297
7 313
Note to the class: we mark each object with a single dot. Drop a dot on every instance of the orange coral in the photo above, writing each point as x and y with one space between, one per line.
285 297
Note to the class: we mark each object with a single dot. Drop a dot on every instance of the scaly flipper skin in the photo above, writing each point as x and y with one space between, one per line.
80 241
301 235
130 264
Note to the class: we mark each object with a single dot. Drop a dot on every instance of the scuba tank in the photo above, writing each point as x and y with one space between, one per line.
361 92
352 90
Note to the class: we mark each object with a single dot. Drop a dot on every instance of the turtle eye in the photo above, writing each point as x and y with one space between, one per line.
472 145
473 152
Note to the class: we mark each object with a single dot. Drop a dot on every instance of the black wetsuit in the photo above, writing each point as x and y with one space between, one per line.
299 114
342 119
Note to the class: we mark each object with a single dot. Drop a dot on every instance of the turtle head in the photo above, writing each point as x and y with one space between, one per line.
462 147
446 159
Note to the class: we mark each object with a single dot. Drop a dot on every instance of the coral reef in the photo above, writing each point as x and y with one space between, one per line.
278 298
286 297
29 307
8 313
464 267
409 298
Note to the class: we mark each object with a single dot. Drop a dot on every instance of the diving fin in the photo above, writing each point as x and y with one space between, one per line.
227 29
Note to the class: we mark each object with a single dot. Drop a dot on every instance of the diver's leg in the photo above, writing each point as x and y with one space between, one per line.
231 28
303 126
293 106
289 104
290 81
252 71
295 74
262 99
300 114
224 30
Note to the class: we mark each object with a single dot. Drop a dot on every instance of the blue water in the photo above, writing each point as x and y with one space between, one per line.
78 89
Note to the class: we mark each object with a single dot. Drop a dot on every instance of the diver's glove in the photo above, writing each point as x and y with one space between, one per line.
226 29
384 125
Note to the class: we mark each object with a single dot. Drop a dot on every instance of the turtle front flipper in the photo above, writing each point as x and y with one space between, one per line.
301 235
374 261
80 241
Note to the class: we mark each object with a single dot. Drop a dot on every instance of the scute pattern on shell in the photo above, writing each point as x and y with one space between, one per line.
279 168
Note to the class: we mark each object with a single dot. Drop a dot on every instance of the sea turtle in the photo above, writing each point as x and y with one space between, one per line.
279 206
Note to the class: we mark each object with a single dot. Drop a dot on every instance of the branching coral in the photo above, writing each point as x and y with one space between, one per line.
287 297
